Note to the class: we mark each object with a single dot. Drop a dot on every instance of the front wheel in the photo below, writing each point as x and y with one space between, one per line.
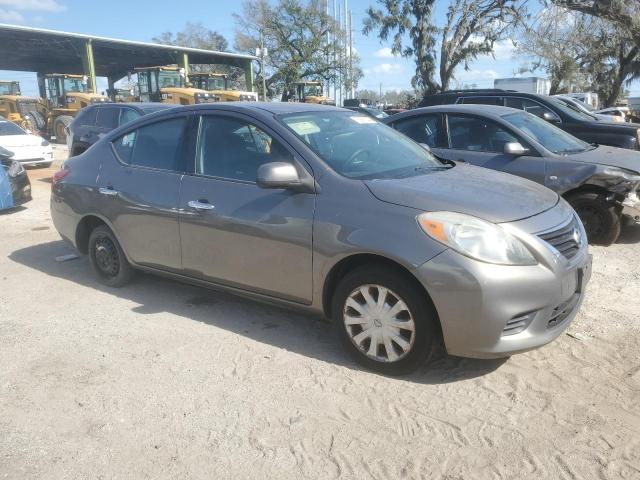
601 218
385 321
59 128
108 259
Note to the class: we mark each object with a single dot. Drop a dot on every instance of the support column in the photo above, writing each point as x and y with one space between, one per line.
89 67
184 63
248 75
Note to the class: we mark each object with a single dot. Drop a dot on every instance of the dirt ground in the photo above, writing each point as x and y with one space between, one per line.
163 380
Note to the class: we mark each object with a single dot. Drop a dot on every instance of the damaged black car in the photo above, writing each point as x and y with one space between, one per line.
15 188
600 182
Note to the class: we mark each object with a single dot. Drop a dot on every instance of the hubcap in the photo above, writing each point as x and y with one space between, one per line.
379 323
107 256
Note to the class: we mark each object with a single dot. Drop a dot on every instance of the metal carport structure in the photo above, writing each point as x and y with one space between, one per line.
50 51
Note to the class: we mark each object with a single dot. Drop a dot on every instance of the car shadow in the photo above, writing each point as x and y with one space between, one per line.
630 234
303 334
9 211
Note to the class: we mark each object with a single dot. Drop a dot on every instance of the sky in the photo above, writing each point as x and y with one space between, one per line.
143 19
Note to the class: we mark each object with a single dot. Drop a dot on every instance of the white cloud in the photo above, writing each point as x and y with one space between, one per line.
384 53
10 16
33 5
385 68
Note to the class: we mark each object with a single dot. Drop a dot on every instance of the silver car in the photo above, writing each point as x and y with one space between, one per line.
330 211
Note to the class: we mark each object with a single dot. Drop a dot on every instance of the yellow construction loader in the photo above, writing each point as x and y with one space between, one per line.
28 112
310 92
167 85
218 85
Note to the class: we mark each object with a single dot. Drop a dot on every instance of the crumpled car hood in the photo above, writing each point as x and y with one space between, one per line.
611 156
483 193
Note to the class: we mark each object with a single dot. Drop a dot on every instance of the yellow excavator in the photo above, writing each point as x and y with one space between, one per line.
167 85
310 92
218 85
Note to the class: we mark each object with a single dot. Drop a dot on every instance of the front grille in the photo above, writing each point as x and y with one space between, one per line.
566 239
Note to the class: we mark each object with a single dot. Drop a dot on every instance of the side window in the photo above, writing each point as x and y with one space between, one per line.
156 145
477 134
528 106
234 149
425 129
86 117
481 100
107 117
128 115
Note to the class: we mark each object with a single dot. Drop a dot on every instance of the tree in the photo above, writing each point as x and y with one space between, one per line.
303 43
194 35
472 28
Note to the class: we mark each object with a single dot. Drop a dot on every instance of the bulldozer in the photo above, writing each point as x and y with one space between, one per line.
168 85
28 112
65 96
218 85
310 92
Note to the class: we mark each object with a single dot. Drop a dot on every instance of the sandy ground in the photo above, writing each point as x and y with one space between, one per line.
162 380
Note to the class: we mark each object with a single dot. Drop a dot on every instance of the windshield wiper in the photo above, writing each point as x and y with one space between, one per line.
572 150
429 168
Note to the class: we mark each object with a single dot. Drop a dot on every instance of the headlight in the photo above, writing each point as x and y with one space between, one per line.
475 238
44 143
15 169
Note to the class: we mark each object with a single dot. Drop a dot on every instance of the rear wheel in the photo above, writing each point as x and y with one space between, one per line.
59 128
385 321
107 258
601 218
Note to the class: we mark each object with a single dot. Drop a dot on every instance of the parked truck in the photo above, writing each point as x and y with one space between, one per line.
537 85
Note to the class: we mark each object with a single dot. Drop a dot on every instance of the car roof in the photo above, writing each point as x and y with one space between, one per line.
484 110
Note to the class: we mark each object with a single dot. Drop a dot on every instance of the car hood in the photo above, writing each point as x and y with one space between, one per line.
610 156
13 141
488 194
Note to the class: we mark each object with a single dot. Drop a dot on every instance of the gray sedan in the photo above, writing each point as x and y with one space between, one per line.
331 212
600 182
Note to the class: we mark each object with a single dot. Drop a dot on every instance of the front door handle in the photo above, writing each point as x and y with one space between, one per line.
198 205
108 191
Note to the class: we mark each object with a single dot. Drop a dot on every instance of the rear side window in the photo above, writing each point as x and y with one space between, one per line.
156 145
108 117
481 100
425 129
86 117
128 115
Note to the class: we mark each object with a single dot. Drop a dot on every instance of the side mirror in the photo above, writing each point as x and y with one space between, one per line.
515 148
551 117
278 175
426 147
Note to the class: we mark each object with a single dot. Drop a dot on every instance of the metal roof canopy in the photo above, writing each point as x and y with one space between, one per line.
50 51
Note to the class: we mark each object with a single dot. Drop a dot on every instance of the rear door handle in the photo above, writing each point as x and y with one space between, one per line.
199 205
108 191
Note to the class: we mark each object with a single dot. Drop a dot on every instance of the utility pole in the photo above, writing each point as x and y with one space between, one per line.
351 82
262 55
335 38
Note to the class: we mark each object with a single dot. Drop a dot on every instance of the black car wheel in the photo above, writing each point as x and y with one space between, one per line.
601 218
108 259
384 320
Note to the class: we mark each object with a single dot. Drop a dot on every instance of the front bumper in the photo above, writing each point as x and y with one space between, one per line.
479 303
631 207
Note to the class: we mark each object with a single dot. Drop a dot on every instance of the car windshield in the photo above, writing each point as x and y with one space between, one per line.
572 112
9 128
358 146
577 106
549 136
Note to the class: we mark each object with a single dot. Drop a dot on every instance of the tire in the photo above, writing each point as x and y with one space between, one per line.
418 345
59 125
601 219
36 121
107 258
